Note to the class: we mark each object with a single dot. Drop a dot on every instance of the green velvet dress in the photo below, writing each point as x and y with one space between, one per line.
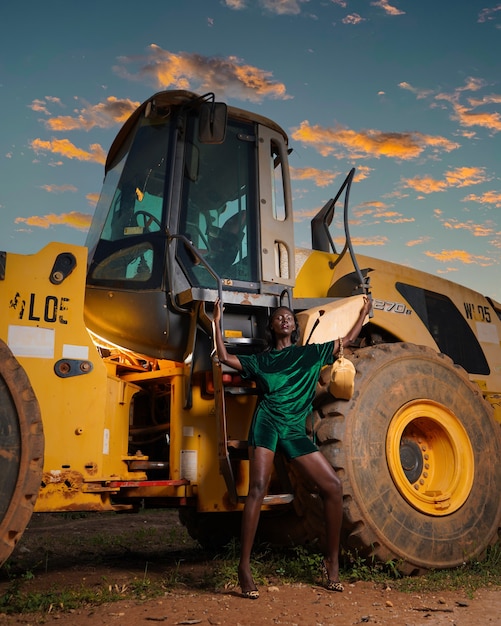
286 380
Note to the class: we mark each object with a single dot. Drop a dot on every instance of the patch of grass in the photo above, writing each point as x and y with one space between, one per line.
152 569
359 568
470 577
18 601
298 564
301 565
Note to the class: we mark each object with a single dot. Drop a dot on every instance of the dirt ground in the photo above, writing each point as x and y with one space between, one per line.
118 552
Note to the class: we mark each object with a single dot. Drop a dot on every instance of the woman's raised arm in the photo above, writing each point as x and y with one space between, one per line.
357 326
228 359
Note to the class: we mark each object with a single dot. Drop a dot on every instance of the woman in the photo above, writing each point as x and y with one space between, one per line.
287 376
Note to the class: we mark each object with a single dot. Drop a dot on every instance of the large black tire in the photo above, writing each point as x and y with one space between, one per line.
214 531
21 451
417 450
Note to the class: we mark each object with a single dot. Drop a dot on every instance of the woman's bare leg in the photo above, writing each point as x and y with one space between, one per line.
319 471
261 463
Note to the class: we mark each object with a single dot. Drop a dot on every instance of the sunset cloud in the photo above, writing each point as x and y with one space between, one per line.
74 219
362 172
487 15
321 178
463 256
489 197
369 143
477 230
102 115
419 93
376 240
387 7
282 7
468 117
417 242
456 178
228 76
92 198
278 7
40 105
353 18
301 215
59 188
237 5
376 212
491 99
465 110
65 148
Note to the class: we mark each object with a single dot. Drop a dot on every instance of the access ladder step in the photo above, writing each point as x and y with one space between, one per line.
273 499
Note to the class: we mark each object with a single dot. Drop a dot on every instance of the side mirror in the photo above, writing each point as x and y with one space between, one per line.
212 123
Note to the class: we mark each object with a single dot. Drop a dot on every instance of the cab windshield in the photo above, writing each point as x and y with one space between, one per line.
168 181
124 241
219 208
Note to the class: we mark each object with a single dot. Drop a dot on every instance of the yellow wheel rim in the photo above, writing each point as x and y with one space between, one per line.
430 457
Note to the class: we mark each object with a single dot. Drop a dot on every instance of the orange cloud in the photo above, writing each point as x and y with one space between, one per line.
237 5
229 76
467 117
459 177
74 219
362 173
369 143
305 214
65 148
387 7
282 7
380 240
472 84
466 176
59 188
477 230
489 197
353 18
400 220
92 198
446 256
492 99
103 115
321 178
379 211
419 93
425 184
417 242
40 105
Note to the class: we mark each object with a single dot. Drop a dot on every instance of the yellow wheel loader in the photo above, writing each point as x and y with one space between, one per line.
112 398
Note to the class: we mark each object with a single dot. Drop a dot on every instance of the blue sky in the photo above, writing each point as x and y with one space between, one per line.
406 91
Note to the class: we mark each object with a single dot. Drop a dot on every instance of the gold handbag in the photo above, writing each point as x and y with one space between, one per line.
342 376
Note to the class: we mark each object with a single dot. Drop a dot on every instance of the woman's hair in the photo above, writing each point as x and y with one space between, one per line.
269 333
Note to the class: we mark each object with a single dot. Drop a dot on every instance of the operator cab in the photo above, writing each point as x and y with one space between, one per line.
195 202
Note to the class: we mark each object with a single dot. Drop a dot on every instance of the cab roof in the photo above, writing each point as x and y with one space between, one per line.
177 98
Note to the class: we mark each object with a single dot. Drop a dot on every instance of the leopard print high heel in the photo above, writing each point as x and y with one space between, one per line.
330 585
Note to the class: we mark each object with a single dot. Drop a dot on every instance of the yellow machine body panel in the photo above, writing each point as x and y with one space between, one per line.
400 305
193 438
85 413
87 403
